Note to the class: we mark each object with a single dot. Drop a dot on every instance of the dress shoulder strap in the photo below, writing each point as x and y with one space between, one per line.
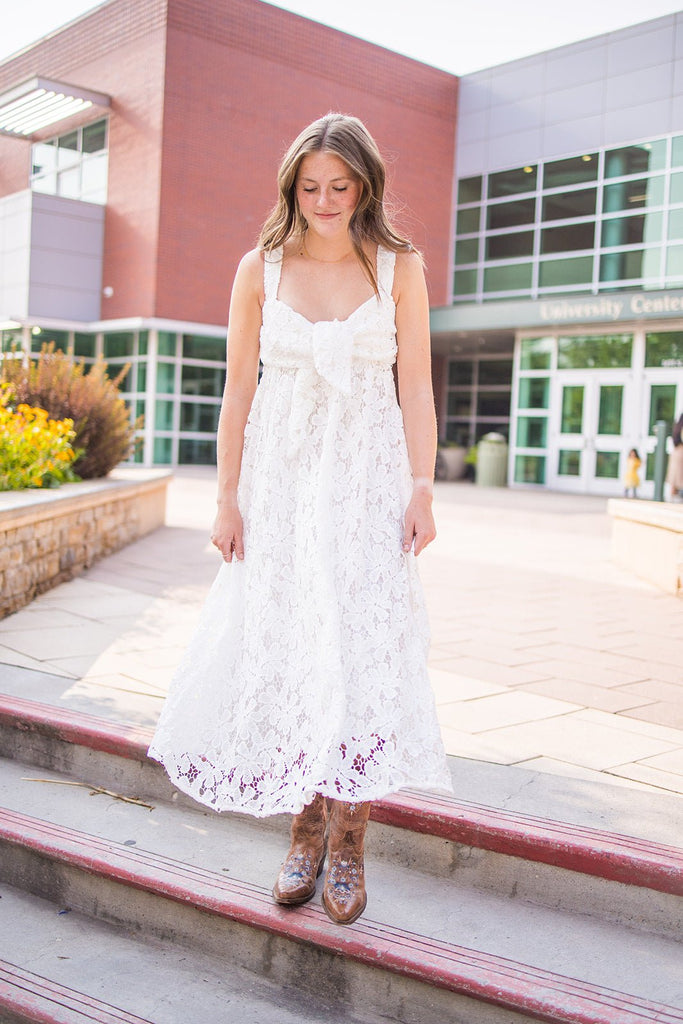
386 261
272 268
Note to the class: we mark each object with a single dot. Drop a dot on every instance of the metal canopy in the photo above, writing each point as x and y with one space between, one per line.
41 102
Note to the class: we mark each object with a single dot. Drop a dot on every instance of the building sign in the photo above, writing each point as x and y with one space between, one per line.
558 311
627 306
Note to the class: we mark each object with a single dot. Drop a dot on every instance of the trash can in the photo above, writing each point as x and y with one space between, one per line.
492 461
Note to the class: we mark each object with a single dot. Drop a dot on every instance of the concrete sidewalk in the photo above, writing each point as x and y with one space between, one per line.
545 656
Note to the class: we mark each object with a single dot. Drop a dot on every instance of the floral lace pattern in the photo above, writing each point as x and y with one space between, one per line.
307 673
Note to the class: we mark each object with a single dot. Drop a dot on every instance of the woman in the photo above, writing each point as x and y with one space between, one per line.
674 473
305 688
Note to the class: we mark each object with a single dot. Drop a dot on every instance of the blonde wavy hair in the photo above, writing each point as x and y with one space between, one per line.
348 138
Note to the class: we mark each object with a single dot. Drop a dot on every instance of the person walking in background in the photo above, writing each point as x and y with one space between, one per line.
305 689
632 476
674 473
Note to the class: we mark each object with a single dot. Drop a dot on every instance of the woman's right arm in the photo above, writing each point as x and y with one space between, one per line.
244 325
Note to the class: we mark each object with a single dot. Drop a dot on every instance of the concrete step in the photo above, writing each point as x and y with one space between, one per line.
60 967
427 950
625 879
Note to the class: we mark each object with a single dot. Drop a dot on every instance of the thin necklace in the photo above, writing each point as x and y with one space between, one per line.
315 259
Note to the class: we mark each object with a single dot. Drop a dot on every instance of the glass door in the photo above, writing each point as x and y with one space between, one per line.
663 400
588 448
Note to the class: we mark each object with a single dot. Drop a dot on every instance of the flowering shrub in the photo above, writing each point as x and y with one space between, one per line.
35 451
105 435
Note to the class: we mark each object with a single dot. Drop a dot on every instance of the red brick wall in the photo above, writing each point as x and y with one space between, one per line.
242 79
119 50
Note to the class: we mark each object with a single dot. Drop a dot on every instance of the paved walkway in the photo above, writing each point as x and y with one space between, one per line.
545 655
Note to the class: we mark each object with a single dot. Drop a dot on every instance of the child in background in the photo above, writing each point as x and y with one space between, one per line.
632 477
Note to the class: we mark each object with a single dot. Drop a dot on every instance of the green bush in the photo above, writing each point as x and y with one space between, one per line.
53 381
35 451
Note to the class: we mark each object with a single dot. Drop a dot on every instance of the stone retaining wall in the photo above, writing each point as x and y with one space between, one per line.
47 537
647 539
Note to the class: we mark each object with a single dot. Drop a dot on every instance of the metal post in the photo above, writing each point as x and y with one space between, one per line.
661 431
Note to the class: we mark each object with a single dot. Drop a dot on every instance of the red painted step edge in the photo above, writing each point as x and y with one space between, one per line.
497 980
577 848
42 1001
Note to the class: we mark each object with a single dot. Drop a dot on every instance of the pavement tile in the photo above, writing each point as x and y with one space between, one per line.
487 671
670 762
572 771
648 776
9 657
497 653
668 651
624 723
598 697
587 672
501 710
657 689
587 656
659 713
449 686
580 742
34 616
49 644
493 749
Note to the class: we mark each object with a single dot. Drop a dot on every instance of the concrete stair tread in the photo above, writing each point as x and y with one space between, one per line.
595 851
66 968
515 953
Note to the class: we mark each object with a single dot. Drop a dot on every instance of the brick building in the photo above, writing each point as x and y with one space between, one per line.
122 223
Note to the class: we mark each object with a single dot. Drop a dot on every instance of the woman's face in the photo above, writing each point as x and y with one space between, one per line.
327 192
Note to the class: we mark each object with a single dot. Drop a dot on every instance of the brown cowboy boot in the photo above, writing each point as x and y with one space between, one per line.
344 896
304 863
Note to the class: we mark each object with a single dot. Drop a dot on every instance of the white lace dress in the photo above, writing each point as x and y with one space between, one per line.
307 673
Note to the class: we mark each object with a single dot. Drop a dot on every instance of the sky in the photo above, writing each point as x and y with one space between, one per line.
483 33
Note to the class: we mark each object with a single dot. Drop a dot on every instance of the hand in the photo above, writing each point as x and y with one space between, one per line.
419 528
227 534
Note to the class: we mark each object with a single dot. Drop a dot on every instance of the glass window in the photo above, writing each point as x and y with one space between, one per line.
510 183
505 247
676 188
460 372
493 403
664 349
163 415
458 432
469 189
484 427
676 224
143 342
119 343
607 465
608 351
495 371
467 250
95 137
467 221
195 346
163 450
632 265
513 277
459 403
532 432
674 261
629 195
569 462
84 345
93 181
649 156
557 273
44 157
570 204
165 378
116 371
530 469
574 171
509 215
632 230
677 151
662 404
199 416
196 452
465 282
609 414
572 409
534 392
67 149
202 380
45 336
166 343
142 376
568 237
536 353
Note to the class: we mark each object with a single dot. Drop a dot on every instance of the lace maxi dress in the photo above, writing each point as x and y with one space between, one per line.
307 672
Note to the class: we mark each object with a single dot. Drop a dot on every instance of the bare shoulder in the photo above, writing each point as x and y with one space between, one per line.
409 273
249 276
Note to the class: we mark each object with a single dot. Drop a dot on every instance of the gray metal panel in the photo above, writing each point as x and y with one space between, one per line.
641 46
15 248
639 121
573 104
639 86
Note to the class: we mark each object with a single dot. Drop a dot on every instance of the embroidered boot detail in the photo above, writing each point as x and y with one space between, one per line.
304 862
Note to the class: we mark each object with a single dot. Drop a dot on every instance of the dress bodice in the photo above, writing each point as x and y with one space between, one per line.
328 349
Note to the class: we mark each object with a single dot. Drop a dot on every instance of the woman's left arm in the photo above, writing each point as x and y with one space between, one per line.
416 396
